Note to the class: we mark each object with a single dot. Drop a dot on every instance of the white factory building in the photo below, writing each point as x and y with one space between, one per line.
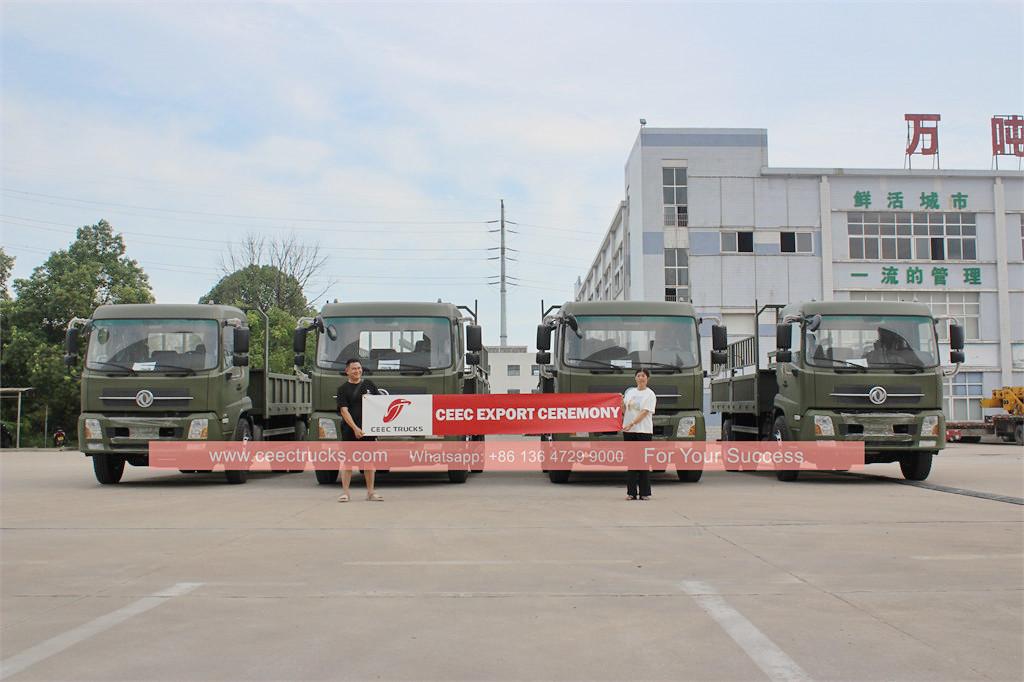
706 219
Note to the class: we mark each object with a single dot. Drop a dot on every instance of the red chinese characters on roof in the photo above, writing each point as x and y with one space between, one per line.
1008 136
922 127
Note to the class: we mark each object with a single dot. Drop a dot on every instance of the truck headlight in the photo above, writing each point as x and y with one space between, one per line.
93 430
327 429
198 429
823 425
687 427
930 425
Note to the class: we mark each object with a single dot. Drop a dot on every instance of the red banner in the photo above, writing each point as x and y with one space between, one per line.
528 413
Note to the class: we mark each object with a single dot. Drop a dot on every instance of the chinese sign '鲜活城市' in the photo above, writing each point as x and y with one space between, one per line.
934 276
896 200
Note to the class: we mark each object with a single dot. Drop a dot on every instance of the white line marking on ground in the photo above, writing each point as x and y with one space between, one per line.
761 650
40 652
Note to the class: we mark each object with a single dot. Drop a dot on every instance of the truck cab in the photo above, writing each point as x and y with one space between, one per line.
176 373
847 371
596 347
404 348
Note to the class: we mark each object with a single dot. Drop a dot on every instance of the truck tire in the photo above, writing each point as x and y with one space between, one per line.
727 433
916 467
559 475
780 432
300 435
458 475
1018 434
108 468
689 475
326 476
970 439
243 432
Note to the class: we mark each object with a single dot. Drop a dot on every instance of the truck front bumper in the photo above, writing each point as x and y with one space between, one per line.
132 435
880 431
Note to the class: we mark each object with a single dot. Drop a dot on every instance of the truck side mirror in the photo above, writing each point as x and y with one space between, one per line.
241 335
783 337
71 341
718 357
240 359
543 357
956 337
543 337
69 359
299 340
474 340
784 356
956 357
473 358
719 337
300 359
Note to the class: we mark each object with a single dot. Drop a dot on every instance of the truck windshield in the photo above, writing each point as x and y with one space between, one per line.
387 343
152 345
882 341
658 341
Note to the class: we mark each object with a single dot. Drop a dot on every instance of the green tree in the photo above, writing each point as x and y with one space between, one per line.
278 294
6 265
92 271
259 286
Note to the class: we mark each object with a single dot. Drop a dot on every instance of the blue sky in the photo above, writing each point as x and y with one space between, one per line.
388 132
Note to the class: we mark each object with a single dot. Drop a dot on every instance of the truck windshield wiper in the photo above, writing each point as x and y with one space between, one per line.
901 365
599 363
160 366
663 365
845 362
405 366
125 368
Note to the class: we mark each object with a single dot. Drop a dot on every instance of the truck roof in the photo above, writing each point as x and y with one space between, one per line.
149 311
629 308
387 308
857 308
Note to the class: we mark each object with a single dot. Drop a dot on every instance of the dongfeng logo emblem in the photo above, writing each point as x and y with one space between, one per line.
877 395
395 409
144 398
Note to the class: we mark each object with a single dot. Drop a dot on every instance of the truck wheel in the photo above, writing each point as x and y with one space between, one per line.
300 430
108 468
243 432
727 429
689 475
780 432
326 476
970 439
1018 433
916 467
559 475
458 475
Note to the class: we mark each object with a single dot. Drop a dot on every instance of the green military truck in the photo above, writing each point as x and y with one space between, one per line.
176 373
404 348
596 347
861 371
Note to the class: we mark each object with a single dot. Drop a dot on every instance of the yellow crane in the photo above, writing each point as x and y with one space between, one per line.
1008 425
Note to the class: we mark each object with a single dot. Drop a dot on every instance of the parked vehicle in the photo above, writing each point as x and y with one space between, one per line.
1009 425
404 348
596 347
176 373
865 372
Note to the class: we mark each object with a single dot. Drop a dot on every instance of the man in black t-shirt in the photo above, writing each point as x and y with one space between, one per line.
350 407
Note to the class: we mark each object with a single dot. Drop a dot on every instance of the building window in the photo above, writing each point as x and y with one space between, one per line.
965 306
963 396
912 236
513 390
677 275
673 189
737 242
535 370
796 242
513 370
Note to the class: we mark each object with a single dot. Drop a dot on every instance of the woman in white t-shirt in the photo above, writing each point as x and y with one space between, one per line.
638 424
